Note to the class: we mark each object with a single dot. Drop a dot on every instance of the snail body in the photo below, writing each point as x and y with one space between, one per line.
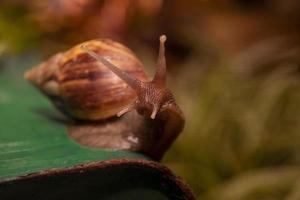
101 79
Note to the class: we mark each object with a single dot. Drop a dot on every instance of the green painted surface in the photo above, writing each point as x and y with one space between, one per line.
29 140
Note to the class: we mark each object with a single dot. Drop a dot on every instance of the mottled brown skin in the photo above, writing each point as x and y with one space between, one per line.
81 84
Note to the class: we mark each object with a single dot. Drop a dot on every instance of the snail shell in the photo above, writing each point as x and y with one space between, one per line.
84 88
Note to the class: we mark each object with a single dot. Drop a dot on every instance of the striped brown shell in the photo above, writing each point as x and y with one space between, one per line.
83 88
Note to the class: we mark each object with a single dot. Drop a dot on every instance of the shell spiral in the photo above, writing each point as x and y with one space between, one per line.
83 88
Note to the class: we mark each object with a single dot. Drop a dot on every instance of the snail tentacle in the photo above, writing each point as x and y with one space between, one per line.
154 111
127 109
130 80
161 71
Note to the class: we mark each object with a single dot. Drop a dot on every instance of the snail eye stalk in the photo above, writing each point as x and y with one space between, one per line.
161 71
130 80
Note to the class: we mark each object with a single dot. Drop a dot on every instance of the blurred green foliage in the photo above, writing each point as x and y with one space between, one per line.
241 139
17 32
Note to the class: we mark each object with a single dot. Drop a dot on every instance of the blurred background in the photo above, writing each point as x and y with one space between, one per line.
234 67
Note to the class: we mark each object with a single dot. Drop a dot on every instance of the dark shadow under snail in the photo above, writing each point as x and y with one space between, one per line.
90 83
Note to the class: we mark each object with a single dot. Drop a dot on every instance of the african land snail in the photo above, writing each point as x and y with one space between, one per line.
100 79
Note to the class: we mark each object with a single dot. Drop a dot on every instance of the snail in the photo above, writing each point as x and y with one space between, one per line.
102 85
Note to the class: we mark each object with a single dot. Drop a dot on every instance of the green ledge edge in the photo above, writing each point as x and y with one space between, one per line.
30 141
